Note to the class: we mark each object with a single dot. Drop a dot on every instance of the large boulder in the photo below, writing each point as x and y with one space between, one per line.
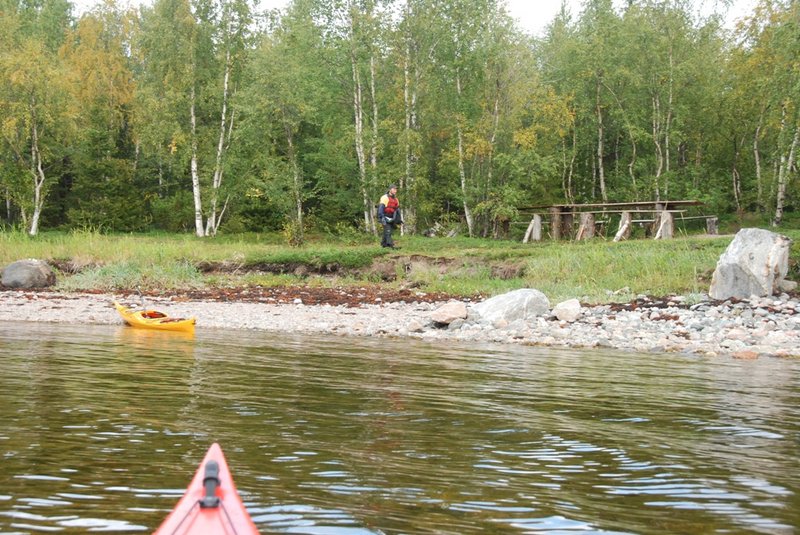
28 273
755 263
522 304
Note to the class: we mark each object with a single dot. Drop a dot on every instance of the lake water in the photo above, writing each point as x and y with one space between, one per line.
102 427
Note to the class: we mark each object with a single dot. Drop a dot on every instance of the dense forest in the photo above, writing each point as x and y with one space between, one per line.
206 116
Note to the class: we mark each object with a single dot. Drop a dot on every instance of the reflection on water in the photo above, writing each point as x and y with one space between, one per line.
102 427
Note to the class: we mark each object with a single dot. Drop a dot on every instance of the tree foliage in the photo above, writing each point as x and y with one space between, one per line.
206 115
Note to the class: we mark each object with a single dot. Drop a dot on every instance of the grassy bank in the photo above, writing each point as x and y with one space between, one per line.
594 271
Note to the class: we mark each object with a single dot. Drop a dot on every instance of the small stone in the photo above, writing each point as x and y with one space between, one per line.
455 324
568 311
415 326
500 323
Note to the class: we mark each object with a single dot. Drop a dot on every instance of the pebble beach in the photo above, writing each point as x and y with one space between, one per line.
747 329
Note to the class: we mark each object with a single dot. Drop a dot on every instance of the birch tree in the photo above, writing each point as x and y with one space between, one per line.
769 72
411 81
599 24
460 53
233 36
166 96
195 71
102 90
362 26
281 104
36 122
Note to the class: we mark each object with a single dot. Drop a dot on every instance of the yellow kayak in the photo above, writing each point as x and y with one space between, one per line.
152 319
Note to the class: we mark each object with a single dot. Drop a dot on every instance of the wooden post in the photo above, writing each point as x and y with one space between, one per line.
586 230
555 222
567 223
534 231
666 228
528 232
656 226
625 224
711 225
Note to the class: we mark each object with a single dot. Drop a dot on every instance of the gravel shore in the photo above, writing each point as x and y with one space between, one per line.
751 328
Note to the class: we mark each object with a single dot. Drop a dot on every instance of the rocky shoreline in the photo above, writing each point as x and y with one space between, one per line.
748 328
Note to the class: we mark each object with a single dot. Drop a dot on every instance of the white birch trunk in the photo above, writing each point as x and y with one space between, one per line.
461 171
198 207
37 170
407 181
373 150
600 147
668 122
632 163
571 168
297 182
358 119
212 224
160 177
736 176
787 162
628 127
656 125
564 169
492 142
757 160
410 105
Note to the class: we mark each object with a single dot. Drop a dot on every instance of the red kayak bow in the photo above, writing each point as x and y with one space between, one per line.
211 504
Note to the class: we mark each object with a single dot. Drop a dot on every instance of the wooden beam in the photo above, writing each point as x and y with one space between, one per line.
620 205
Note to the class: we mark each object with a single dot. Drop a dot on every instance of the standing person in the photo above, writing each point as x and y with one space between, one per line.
389 215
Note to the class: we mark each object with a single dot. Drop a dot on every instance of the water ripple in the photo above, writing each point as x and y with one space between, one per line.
102 429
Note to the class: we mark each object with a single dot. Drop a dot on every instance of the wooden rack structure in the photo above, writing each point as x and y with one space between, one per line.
658 215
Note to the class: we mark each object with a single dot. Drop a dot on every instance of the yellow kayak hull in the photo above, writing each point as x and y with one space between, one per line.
152 319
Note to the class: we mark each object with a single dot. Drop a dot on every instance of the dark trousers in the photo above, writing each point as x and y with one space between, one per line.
387 241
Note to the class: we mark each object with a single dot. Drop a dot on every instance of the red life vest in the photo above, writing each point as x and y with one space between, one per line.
391 205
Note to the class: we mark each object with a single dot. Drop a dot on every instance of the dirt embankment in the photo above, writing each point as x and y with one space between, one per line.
407 268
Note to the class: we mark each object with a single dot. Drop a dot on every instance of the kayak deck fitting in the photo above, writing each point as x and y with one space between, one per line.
211 504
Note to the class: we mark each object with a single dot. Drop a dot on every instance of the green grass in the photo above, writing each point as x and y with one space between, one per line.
167 276
594 271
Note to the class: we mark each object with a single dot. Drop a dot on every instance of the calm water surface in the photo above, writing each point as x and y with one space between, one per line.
102 427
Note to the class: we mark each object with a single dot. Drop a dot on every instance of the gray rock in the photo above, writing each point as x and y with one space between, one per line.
517 325
500 323
569 310
449 312
787 286
30 273
755 263
455 324
415 326
521 304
